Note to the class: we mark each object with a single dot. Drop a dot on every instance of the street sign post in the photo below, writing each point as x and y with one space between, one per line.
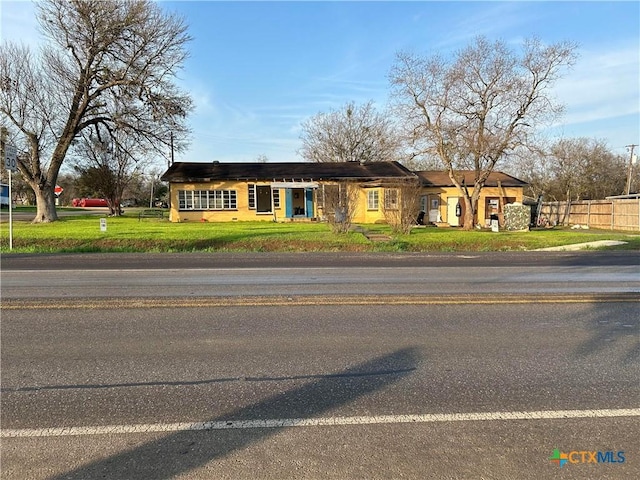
11 164
11 158
57 191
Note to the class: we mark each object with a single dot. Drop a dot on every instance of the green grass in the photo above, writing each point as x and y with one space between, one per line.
128 234
443 239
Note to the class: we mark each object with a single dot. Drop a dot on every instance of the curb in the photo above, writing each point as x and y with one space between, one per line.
581 246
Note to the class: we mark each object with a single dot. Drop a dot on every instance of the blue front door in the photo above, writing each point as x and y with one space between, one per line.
308 193
298 202
288 199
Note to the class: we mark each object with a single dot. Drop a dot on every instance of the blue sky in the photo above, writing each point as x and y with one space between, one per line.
259 69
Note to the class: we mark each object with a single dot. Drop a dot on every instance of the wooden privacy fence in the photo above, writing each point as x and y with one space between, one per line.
613 213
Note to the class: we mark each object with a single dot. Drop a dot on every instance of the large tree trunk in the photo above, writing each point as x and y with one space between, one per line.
468 222
114 206
45 204
470 206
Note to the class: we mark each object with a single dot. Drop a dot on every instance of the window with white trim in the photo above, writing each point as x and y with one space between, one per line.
252 196
207 200
391 198
373 200
251 188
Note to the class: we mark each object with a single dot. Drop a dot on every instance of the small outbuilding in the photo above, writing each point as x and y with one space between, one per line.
440 197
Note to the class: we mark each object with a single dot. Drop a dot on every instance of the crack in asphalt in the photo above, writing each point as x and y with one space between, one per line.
208 381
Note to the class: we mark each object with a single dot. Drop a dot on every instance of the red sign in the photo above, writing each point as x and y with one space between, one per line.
58 190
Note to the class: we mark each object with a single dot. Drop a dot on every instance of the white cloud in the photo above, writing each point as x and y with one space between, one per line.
603 85
484 19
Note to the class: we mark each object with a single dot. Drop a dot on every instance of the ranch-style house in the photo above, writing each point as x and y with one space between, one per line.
299 191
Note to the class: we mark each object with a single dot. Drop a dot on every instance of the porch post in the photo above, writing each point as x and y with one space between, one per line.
289 203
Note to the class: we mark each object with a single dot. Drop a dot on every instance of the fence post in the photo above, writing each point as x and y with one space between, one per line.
613 214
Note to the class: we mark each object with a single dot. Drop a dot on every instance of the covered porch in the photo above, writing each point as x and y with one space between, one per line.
298 199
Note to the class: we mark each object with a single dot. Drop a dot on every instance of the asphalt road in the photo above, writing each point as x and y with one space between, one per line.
214 275
167 261
221 383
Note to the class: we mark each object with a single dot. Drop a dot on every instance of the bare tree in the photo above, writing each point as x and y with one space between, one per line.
534 166
339 202
574 169
108 166
401 205
107 64
585 168
351 134
417 163
471 111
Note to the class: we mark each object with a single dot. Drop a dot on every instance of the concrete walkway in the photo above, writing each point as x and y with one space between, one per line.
372 237
581 246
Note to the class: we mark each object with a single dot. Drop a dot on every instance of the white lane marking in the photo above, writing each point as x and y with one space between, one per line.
317 422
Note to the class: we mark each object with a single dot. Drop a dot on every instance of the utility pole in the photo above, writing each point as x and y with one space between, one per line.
629 171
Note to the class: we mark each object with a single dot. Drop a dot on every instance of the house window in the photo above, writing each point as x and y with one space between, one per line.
391 199
493 205
252 196
373 200
334 197
185 200
263 192
329 198
207 200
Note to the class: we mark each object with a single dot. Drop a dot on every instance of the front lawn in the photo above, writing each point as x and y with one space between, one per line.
129 234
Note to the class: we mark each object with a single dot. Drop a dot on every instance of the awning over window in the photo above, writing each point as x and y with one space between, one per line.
294 185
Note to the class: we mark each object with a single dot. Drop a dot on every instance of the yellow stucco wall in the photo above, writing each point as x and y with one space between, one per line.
362 213
451 193
241 213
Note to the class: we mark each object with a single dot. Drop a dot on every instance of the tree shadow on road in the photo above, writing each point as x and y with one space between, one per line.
615 331
178 453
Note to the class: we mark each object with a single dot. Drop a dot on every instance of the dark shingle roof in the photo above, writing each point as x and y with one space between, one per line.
182 172
431 178
186 172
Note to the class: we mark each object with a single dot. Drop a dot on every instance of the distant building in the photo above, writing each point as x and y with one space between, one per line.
440 196
4 195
